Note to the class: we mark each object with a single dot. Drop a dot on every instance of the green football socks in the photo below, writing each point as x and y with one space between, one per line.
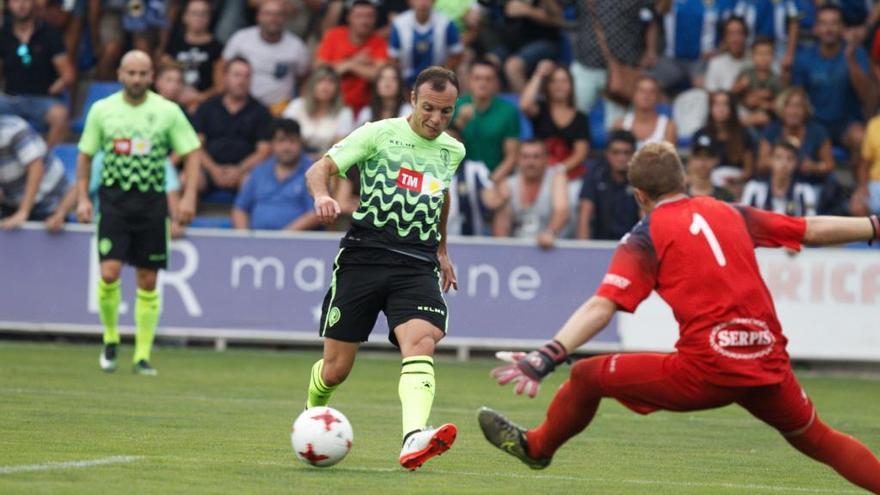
109 296
319 392
146 317
416 391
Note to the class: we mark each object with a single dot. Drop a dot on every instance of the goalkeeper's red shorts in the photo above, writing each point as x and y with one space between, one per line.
648 382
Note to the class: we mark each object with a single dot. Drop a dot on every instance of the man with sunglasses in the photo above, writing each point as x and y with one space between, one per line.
36 71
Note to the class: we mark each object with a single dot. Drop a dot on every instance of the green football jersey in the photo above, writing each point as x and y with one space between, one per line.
403 178
136 141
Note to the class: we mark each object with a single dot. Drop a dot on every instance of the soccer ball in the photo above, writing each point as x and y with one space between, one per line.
321 436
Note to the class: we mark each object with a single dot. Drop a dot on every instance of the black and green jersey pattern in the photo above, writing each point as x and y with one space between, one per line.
403 180
136 141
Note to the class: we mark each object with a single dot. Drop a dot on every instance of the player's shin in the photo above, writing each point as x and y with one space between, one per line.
109 296
146 317
571 410
416 390
319 392
846 455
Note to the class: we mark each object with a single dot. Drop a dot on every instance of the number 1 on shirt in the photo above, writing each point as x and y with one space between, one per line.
699 225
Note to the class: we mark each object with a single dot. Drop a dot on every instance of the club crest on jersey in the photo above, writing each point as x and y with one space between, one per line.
742 338
141 146
419 182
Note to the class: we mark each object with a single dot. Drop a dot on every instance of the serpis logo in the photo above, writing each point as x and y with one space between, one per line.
742 338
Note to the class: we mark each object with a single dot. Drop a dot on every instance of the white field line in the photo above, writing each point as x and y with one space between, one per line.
52 466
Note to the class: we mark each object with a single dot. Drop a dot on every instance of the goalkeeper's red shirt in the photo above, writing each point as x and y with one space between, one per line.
699 255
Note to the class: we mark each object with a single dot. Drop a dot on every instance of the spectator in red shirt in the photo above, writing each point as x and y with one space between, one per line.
355 52
698 254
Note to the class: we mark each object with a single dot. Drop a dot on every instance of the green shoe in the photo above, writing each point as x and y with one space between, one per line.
509 437
143 367
107 360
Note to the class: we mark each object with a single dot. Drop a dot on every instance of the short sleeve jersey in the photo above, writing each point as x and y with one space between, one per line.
136 141
403 179
698 254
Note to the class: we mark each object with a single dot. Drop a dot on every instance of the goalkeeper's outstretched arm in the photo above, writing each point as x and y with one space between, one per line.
588 320
822 231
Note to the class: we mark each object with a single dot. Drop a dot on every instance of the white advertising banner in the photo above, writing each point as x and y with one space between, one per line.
828 301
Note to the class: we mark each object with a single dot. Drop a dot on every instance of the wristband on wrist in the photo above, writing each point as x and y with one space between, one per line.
875 226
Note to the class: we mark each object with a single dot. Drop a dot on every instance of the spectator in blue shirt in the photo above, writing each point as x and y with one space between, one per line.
796 124
834 73
776 19
690 31
274 196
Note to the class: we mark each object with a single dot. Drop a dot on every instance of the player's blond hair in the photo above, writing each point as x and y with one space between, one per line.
656 169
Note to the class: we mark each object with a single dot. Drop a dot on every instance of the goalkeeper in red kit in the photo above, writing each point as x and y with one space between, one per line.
698 254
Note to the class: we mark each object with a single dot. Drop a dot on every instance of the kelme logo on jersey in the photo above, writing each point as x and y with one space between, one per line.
419 183
742 338
334 316
104 246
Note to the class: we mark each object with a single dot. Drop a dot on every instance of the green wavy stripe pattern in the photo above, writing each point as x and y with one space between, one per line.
145 173
385 206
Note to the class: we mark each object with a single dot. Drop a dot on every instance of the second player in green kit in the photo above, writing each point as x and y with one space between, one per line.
137 130
393 259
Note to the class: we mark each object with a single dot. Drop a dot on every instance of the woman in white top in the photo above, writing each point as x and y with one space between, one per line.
320 112
388 97
643 121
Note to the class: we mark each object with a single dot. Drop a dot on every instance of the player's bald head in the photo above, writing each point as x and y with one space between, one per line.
136 59
657 170
136 74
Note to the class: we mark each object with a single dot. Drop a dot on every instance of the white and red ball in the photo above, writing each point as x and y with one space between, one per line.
321 436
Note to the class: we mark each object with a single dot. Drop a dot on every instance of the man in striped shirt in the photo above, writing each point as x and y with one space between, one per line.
31 183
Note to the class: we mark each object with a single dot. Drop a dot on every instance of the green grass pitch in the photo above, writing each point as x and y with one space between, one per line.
219 423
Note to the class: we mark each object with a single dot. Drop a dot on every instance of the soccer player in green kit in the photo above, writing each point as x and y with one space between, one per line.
393 259
137 130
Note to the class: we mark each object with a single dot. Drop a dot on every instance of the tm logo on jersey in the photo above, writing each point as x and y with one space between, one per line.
419 182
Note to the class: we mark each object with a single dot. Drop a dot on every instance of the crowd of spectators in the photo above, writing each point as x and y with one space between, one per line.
773 102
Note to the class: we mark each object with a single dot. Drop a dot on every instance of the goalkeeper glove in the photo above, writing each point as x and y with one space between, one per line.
527 370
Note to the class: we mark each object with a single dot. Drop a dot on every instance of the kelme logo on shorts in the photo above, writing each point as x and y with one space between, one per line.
334 316
104 246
